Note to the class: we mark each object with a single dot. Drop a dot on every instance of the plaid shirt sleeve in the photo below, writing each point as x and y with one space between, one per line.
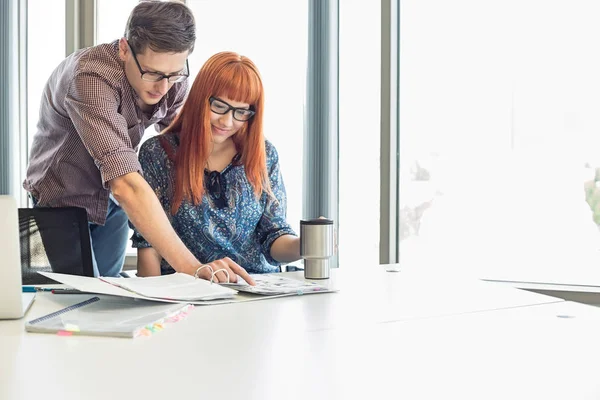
92 104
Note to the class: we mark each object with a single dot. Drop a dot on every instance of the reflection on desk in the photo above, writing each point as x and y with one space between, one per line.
383 335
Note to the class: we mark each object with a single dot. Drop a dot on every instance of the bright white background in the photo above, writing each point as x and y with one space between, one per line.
45 50
499 102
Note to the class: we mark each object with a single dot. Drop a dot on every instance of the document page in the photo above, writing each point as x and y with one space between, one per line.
177 286
267 284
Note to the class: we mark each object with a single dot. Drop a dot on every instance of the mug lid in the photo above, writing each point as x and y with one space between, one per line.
316 221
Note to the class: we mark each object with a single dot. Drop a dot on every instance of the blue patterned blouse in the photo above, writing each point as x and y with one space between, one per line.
230 221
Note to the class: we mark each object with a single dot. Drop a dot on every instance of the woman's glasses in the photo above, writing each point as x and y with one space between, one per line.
218 106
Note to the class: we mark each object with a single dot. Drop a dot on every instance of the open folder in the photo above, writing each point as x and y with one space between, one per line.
174 288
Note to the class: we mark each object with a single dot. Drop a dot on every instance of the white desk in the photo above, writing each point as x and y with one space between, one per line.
402 335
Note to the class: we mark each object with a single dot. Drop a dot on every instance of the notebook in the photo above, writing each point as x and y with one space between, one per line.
13 302
109 316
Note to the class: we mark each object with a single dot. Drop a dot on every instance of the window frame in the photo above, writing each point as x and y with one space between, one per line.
389 225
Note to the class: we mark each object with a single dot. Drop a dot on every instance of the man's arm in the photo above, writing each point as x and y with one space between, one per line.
146 213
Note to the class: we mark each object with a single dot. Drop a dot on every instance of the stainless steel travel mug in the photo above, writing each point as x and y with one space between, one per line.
316 247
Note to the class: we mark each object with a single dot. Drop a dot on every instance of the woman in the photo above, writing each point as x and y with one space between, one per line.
218 179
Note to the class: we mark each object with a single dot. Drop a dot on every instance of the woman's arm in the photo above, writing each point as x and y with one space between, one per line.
148 262
279 243
286 248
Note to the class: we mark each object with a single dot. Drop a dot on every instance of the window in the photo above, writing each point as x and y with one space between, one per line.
498 133
45 50
111 19
359 132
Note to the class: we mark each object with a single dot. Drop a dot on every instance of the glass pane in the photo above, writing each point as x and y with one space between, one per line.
278 46
45 50
111 18
359 131
499 134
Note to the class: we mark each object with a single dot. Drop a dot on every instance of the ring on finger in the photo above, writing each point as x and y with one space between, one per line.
219 270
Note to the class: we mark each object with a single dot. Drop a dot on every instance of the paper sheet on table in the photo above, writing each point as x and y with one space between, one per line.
277 284
177 288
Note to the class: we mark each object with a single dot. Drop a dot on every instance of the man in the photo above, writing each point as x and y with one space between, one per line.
94 110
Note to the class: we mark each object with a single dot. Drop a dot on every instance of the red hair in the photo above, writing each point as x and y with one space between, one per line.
235 77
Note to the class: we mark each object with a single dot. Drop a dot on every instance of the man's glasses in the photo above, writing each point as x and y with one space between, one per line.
157 76
220 107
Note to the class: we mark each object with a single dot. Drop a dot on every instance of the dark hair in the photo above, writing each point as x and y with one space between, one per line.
162 26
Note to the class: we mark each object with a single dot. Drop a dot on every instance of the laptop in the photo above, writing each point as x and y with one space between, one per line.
13 302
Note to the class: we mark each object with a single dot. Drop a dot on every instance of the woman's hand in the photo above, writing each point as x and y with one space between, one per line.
218 274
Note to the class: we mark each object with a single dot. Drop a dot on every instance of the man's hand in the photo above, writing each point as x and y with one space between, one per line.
218 268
